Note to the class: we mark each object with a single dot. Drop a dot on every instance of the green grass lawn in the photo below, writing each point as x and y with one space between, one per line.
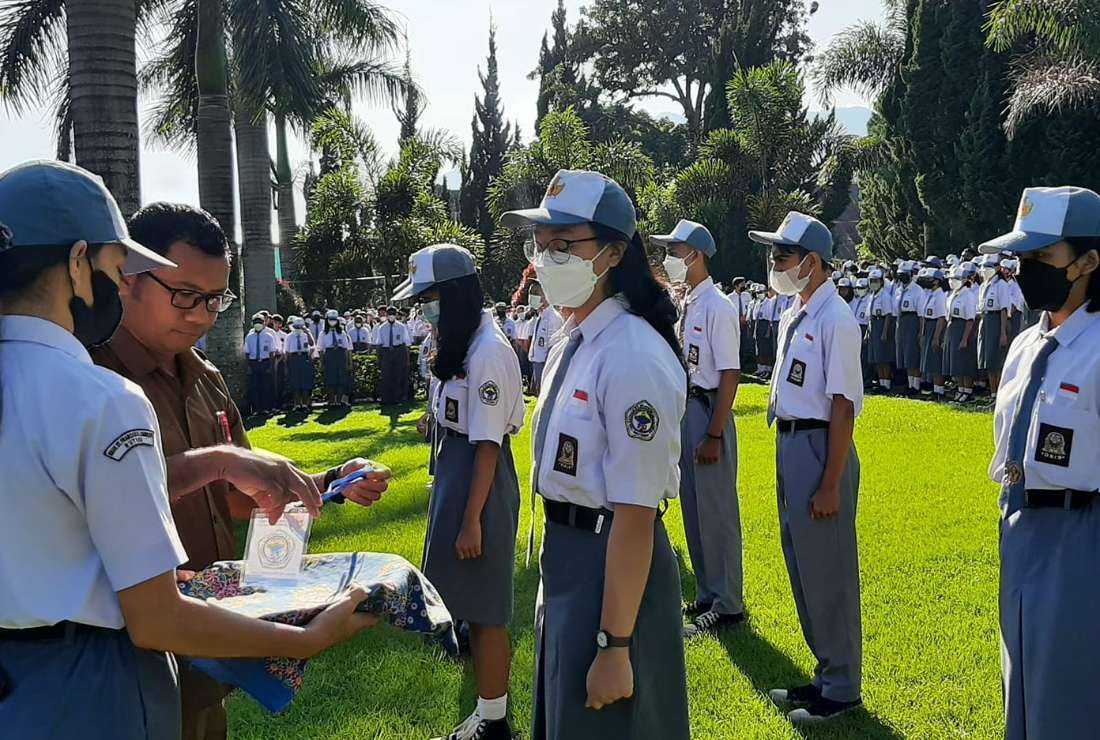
927 543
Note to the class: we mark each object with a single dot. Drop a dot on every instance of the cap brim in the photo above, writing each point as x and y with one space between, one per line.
540 216
771 238
142 259
409 289
1019 242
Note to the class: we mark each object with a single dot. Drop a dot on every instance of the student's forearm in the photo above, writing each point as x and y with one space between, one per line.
626 569
841 429
485 470
723 402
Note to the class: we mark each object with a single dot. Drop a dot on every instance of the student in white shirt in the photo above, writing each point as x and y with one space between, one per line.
1047 437
544 328
299 347
816 395
709 332
261 348
89 603
470 545
994 310
391 338
933 326
607 444
908 297
960 352
334 346
881 351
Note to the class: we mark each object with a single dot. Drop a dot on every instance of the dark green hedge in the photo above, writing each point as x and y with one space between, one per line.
364 368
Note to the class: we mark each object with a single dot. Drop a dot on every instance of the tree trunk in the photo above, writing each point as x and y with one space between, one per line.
225 342
284 178
103 94
254 174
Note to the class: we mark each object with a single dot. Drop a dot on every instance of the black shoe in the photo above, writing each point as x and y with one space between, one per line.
475 728
821 710
712 622
696 608
799 695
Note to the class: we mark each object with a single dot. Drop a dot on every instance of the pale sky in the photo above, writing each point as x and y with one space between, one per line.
449 41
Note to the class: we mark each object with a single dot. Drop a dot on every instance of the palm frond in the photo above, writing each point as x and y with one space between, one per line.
1062 25
170 75
366 26
33 48
767 209
275 53
371 79
864 58
1049 85
448 147
63 116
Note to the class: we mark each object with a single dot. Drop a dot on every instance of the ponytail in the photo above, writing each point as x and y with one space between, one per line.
645 295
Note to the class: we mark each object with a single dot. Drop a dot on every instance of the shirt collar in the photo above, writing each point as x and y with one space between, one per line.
139 361
1078 321
821 296
699 289
599 319
41 331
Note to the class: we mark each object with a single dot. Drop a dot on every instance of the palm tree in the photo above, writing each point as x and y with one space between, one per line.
1061 67
83 53
865 57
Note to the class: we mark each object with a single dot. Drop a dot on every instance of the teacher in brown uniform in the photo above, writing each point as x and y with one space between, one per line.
211 466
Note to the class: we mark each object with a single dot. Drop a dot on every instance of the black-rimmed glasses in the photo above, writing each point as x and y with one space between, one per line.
189 299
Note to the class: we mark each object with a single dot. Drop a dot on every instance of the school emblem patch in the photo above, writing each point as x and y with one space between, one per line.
412 267
128 441
1013 473
565 459
797 375
450 410
489 393
1054 445
693 354
557 185
642 421
1026 207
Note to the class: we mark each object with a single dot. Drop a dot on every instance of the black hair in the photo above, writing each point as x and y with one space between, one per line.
460 305
645 295
1082 245
160 225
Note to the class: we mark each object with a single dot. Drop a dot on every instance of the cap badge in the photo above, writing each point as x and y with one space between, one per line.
557 185
412 267
1026 207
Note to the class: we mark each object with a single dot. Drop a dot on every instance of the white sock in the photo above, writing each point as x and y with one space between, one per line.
492 709
885 384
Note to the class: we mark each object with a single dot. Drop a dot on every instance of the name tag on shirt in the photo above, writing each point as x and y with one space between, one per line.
693 354
276 550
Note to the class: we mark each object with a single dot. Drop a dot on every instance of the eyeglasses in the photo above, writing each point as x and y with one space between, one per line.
558 250
189 299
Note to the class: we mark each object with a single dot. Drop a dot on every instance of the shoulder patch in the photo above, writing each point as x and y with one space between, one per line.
642 421
489 393
128 441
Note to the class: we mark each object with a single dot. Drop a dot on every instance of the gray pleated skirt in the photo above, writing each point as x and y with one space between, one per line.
477 590
337 377
907 341
991 355
959 363
765 339
300 373
931 363
567 618
880 351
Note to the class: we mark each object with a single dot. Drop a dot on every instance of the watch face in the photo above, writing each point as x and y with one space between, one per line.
601 639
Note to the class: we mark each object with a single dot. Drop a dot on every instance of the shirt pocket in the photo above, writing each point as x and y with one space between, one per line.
453 407
579 404
696 340
1062 442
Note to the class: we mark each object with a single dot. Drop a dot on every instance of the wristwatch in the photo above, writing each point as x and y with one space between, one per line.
605 640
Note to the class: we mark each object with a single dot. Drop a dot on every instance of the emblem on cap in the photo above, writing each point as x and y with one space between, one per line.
1026 207
642 421
412 266
557 185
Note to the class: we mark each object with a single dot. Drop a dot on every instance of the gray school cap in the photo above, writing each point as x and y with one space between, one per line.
799 230
695 235
1046 216
435 264
579 197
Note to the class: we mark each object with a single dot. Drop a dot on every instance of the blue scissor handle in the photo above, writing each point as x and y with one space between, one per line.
335 492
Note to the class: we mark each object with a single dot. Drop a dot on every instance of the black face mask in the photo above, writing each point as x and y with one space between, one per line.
924 283
904 278
94 325
1045 287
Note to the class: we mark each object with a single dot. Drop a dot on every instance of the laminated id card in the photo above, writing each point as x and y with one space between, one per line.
276 550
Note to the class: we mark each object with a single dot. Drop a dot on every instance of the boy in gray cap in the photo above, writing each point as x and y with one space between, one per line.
816 395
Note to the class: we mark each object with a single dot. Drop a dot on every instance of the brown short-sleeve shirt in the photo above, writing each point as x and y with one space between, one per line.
187 407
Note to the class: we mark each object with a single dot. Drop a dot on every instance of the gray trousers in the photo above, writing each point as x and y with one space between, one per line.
89 685
1049 600
536 376
822 561
712 515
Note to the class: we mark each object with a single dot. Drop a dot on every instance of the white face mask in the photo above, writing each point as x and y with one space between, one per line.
955 283
988 273
431 312
861 292
787 282
571 284
534 301
677 268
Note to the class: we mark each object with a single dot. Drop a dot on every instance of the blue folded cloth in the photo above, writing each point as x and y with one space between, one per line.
396 591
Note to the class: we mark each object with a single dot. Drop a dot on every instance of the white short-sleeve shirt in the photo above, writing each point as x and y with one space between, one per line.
881 303
1063 439
907 298
391 335
297 341
962 304
822 359
994 296
861 308
260 345
543 334
85 498
334 339
486 403
359 335
613 436
711 335
935 305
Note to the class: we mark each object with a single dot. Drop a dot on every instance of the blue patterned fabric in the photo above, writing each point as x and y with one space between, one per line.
396 591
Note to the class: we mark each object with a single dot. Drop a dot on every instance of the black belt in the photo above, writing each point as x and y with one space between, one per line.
698 392
790 426
578 517
452 433
1058 499
52 632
